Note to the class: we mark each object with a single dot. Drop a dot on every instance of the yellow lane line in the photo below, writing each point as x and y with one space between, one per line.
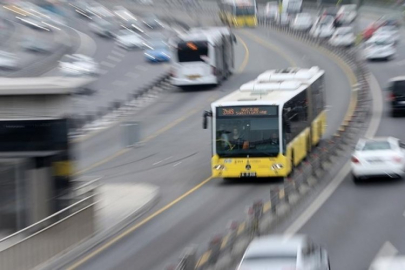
241 228
270 46
281 194
266 207
204 258
136 226
224 241
161 210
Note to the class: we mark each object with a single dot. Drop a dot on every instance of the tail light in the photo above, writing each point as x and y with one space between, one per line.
355 160
391 97
397 159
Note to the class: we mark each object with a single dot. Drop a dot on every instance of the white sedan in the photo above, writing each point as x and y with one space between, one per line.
323 28
8 60
343 36
78 65
128 39
277 252
378 47
387 262
390 32
302 22
378 157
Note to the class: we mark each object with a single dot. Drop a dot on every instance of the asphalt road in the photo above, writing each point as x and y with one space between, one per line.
176 157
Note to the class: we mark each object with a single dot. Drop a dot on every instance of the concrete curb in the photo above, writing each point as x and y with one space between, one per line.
64 260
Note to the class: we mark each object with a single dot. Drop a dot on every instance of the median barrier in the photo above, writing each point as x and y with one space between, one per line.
263 217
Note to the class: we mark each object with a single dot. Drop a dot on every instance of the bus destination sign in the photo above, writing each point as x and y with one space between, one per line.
248 111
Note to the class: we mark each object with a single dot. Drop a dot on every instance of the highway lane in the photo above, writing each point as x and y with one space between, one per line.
179 159
359 221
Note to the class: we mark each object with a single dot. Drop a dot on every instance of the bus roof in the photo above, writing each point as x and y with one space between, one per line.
270 92
210 29
212 36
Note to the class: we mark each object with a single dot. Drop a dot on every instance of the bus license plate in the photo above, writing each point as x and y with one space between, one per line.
194 77
248 174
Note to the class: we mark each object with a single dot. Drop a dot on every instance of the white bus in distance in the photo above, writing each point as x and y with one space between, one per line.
202 56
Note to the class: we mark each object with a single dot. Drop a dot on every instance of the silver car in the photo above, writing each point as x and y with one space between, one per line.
279 253
8 61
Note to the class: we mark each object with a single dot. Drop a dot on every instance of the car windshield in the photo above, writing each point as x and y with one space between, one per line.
250 10
376 146
192 51
398 88
241 136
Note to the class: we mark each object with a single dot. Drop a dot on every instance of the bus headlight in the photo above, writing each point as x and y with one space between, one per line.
276 166
219 167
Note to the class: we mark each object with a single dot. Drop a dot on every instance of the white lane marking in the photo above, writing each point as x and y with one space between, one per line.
120 54
403 214
334 184
132 75
119 83
156 163
113 58
386 251
178 163
108 64
141 68
160 161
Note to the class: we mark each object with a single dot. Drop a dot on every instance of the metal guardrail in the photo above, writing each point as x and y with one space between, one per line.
49 237
224 250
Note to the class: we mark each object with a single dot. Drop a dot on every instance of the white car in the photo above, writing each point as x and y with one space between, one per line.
323 27
347 13
8 61
102 27
278 253
378 157
78 65
390 32
378 47
391 263
271 10
129 39
343 36
302 22
283 19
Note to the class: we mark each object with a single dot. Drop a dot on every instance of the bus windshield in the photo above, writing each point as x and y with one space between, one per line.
245 11
192 51
254 136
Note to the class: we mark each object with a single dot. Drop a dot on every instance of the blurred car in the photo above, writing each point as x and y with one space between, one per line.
152 21
383 21
99 10
129 39
133 25
343 36
376 48
378 157
302 22
388 263
271 10
383 36
8 61
393 20
123 14
35 44
347 13
103 27
34 23
283 19
396 95
276 252
330 11
323 27
392 32
157 52
78 65
82 8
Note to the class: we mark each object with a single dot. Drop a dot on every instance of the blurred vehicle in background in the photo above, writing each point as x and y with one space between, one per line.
347 14
124 15
103 28
330 11
394 20
379 48
34 23
292 6
392 32
8 61
157 51
323 27
302 22
238 13
271 10
82 8
146 2
36 44
99 10
388 263
383 36
383 21
133 26
279 253
396 95
129 39
378 157
78 65
283 19
343 36
152 22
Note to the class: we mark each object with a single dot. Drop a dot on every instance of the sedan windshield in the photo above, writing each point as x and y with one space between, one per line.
376 146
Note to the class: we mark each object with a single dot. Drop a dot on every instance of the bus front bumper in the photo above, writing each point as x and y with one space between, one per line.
206 80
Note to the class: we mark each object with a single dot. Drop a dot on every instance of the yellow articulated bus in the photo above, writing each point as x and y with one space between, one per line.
269 125
238 13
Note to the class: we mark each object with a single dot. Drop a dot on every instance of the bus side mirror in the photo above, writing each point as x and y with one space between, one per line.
234 39
205 119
